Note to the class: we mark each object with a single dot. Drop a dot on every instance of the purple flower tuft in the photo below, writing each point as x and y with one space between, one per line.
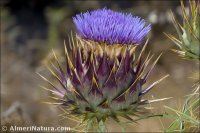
110 27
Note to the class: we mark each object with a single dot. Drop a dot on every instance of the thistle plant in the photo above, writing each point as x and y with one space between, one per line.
103 77
187 118
188 32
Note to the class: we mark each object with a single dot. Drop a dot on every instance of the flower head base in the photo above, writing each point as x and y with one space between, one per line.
110 27
103 81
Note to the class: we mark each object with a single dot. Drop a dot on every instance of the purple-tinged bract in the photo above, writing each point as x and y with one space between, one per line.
110 27
102 81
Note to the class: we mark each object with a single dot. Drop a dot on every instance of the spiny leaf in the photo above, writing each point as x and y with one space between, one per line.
195 122
173 127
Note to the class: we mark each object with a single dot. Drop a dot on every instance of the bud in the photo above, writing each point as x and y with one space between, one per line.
188 32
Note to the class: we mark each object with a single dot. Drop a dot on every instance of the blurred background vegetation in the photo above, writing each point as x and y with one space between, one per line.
31 28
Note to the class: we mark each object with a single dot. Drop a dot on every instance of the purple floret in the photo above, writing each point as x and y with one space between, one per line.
110 27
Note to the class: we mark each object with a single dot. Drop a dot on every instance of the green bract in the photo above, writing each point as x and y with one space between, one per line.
188 32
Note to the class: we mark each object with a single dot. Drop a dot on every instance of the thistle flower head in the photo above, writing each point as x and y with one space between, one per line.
102 81
110 27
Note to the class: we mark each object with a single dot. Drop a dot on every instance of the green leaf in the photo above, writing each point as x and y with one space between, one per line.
195 104
185 116
174 126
